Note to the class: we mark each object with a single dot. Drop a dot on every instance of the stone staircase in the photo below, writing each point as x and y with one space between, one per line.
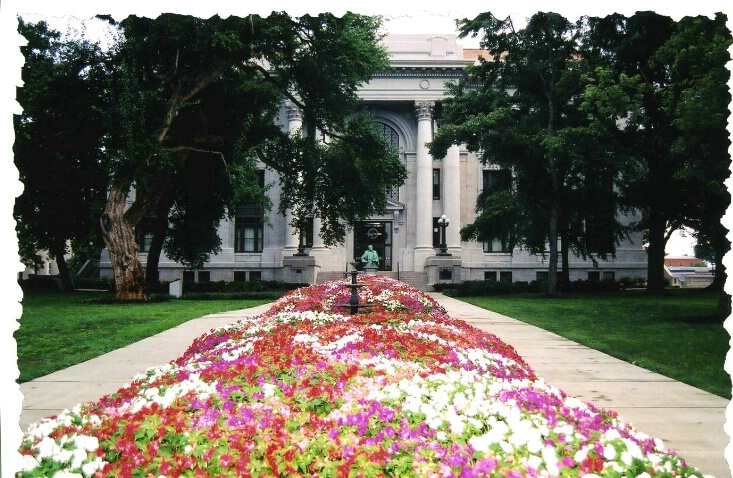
418 280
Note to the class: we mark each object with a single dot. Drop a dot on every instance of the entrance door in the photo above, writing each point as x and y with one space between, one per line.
379 235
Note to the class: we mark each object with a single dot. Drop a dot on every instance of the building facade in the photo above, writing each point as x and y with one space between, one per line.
261 245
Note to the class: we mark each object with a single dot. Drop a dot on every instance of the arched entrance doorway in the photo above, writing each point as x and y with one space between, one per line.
379 235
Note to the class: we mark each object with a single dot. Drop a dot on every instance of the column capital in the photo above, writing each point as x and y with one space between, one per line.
293 111
424 109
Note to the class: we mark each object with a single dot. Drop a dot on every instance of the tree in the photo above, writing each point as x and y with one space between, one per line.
697 55
520 109
166 66
675 110
58 143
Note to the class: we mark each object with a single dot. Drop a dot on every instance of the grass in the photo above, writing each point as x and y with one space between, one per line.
675 334
58 330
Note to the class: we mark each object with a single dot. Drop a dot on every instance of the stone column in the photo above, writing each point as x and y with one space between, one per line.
424 184
452 197
295 125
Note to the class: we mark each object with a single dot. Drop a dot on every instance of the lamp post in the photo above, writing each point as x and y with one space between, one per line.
443 223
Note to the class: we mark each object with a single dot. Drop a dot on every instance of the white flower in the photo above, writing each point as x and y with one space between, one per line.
86 443
29 463
441 436
435 423
480 443
78 457
534 462
457 427
506 447
89 468
550 458
268 389
609 452
66 474
47 448
581 455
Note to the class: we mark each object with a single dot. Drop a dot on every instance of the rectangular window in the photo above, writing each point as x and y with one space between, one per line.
249 224
436 233
594 276
505 276
189 276
255 275
204 276
248 234
436 183
490 276
144 241
496 245
495 179
309 233
240 276
543 276
609 275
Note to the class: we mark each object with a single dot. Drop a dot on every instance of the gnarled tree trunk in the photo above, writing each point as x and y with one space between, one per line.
119 238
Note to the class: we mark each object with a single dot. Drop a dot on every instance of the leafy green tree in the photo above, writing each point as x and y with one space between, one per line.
521 109
674 107
697 55
58 143
166 66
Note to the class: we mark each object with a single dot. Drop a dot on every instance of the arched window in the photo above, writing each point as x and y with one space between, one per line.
394 140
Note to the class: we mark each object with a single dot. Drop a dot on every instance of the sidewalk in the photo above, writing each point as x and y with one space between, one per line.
685 418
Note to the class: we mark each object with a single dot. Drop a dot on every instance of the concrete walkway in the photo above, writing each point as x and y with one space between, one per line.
687 419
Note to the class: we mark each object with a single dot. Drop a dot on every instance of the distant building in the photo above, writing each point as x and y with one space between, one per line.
262 245
688 272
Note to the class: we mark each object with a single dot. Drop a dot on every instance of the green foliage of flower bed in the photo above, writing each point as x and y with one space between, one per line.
307 390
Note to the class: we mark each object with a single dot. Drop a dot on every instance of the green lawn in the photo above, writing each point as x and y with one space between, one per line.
58 330
674 335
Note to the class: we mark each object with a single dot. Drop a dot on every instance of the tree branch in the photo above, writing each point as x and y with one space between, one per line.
178 149
176 100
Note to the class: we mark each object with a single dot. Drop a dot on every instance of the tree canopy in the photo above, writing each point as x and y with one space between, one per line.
186 94
520 109
596 120
58 145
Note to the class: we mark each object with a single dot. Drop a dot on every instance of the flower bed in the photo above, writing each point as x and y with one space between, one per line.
307 390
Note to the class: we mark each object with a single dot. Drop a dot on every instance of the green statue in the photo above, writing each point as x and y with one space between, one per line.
370 256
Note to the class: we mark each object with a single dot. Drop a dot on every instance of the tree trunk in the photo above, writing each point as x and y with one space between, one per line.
162 210
58 254
655 283
119 238
552 275
152 274
724 300
553 229
564 277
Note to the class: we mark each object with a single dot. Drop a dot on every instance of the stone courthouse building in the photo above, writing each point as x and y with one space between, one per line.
407 235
